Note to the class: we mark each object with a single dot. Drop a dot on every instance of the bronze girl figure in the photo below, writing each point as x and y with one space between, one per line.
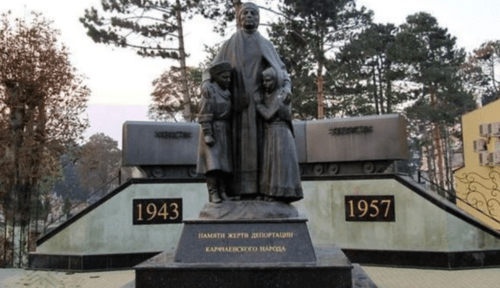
280 174
214 150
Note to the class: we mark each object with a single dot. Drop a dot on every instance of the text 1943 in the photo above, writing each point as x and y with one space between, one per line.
157 211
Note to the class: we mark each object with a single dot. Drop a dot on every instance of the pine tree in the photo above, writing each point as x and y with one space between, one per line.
433 63
153 28
320 27
366 70
293 50
480 71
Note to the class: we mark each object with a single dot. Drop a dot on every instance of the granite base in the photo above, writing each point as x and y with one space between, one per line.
247 254
332 269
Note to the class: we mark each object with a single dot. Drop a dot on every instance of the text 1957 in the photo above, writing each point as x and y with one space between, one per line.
370 208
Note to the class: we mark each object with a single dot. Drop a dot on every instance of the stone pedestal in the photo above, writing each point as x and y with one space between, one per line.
246 253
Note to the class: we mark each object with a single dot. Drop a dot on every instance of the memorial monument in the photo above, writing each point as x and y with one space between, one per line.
248 234
263 156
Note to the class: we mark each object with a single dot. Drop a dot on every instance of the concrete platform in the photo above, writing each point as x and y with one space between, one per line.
427 230
332 269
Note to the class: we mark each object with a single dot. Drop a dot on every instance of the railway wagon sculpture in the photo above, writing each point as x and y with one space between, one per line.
342 146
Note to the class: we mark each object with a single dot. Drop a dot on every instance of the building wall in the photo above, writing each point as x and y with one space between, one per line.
478 185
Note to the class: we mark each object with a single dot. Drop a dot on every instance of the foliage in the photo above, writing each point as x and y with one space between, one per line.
41 200
70 186
293 50
66 207
434 63
368 74
479 72
433 66
149 27
153 28
317 28
167 99
99 163
41 102
221 11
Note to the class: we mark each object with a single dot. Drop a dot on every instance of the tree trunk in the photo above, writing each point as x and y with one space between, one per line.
40 131
9 217
319 77
448 164
37 208
182 60
493 80
388 91
13 249
24 200
17 124
375 94
437 141
388 96
431 162
321 104
237 6
5 240
380 89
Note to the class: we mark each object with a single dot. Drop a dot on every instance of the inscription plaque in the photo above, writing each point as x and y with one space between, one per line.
350 130
245 241
378 208
173 134
157 211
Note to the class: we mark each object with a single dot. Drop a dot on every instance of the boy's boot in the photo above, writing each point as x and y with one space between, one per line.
213 195
222 188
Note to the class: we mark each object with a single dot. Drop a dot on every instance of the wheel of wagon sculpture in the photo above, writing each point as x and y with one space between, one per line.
246 147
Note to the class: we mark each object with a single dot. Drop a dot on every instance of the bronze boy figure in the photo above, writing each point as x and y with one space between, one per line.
214 151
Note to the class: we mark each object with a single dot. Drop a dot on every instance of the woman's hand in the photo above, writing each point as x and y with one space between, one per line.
286 95
209 140
206 89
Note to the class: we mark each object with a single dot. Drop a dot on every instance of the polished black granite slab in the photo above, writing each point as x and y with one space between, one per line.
99 262
223 241
248 254
331 269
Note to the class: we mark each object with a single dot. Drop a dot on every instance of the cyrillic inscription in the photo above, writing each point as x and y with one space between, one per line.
173 134
244 235
351 130
260 235
246 249
211 235
256 236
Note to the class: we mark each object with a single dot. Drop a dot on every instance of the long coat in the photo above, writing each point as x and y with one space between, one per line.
215 114
280 175
249 54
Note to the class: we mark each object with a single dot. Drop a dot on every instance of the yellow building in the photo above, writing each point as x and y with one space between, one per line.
478 182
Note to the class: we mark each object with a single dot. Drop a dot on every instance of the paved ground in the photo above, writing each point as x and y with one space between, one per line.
425 278
46 279
384 277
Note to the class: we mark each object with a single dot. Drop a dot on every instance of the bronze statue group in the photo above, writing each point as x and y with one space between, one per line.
246 147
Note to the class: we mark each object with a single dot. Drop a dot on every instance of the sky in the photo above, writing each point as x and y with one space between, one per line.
120 80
